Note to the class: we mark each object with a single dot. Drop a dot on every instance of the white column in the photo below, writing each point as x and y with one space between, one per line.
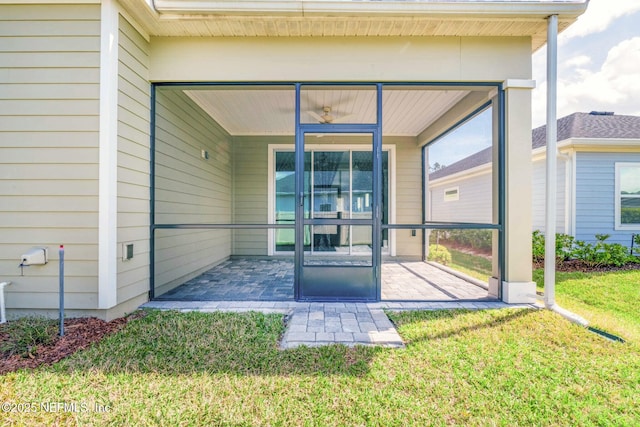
517 286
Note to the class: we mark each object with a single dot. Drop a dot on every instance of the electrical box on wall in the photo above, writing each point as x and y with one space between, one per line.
127 251
35 256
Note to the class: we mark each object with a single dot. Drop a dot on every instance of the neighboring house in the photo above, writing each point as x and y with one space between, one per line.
598 190
146 136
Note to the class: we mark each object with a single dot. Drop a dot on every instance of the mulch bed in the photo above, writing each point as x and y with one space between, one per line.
79 333
577 265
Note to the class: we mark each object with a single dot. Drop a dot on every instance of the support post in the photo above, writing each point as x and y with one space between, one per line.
551 161
61 311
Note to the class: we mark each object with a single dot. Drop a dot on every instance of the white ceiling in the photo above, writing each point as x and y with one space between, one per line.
271 110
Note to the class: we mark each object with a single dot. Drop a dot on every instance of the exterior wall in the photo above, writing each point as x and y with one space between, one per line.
595 197
189 189
133 161
539 197
473 205
408 194
359 59
49 144
250 178
250 190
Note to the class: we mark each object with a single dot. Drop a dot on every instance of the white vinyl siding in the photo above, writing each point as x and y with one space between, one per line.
474 202
49 107
538 193
189 189
133 161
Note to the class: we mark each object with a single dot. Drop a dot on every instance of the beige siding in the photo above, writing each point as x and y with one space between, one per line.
49 106
250 177
189 189
133 161
408 194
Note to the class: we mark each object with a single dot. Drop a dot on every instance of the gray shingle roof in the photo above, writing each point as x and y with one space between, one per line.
577 125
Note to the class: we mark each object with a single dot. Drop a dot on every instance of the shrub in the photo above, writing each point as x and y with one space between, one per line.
564 246
601 254
25 334
477 239
597 254
538 246
439 254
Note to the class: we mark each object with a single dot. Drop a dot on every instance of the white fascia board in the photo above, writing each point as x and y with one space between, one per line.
489 9
604 143
589 144
460 176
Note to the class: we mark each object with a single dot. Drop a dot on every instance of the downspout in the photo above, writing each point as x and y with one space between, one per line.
3 316
552 176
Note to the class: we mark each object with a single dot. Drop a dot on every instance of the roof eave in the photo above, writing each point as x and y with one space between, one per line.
492 9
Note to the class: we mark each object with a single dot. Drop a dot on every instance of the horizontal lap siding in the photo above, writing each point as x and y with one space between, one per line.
474 202
250 177
133 161
189 189
408 194
595 196
49 138
539 196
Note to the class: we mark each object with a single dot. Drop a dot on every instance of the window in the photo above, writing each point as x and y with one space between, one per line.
338 184
451 194
627 196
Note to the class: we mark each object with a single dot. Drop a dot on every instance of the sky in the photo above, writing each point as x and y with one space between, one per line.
598 63
598 70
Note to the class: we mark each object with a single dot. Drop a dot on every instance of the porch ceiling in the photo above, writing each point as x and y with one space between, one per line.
271 111
344 18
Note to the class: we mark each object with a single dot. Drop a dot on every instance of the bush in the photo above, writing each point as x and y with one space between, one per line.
439 254
477 239
564 246
537 241
599 254
25 334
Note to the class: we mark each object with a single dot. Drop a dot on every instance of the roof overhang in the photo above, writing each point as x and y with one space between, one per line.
336 18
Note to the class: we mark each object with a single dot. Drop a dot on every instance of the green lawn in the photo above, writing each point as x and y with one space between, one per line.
610 301
493 367
472 265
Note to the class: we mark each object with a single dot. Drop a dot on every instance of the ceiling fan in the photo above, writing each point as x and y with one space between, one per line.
326 117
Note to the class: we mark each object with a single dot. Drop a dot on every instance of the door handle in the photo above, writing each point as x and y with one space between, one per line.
301 198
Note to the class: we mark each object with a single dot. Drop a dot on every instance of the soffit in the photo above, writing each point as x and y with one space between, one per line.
271 111
297 18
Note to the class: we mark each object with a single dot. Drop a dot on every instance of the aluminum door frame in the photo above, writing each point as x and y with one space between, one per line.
338 283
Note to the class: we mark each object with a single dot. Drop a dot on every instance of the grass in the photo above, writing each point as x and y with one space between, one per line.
472 265
492 367
608 300
26 333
